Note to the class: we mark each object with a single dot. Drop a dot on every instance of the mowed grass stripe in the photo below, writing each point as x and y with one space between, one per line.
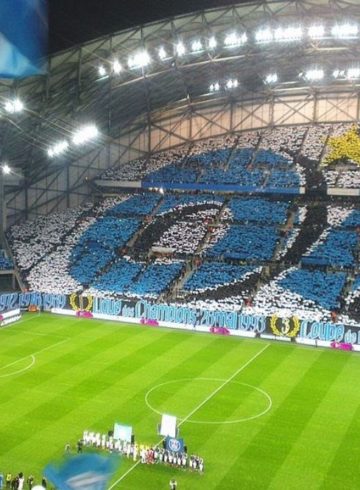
270 447
67 404
215 440
323 433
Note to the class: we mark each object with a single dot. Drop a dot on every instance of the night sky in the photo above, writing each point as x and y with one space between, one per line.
74 21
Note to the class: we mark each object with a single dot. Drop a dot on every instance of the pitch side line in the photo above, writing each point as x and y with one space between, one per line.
195 410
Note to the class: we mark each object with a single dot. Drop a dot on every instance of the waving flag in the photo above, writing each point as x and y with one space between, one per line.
83 472
23 38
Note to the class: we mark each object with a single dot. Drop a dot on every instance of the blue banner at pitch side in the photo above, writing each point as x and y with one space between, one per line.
152 313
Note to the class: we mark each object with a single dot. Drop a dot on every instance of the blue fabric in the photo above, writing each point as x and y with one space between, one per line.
353 220
246 243
138 205
337 250
171 201
259 210
23 38
119 277
322 288
155 279
215 274
268 157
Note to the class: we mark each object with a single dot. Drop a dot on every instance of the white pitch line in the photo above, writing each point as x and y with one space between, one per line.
34 353
195 410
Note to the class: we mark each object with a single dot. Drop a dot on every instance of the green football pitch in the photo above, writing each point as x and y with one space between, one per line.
261 414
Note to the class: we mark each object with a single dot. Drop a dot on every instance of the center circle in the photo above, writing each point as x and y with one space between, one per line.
259 400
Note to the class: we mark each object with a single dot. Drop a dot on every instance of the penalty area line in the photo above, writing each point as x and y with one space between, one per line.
200 405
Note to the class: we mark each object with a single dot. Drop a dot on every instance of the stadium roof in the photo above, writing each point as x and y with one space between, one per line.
248 51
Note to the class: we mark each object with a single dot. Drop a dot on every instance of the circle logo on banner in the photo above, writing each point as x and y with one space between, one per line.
174 445
285 327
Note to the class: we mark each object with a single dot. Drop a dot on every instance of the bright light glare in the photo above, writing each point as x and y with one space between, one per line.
288 34
162 53
58 148
180 49
14 105
344 31
232 39
271 78
139 60
314 75
212 42
102 71
353 73
161 190
85 134
196 46
338 73
264 36
116 67
316 31
6 170
215 87
232 84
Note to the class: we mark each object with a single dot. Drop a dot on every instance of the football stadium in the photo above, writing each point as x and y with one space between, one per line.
180 252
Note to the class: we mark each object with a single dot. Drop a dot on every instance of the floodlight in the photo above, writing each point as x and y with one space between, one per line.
196 46
6 170
85 134
58 148
180 49
338 73
264 36
15 105
116 67
288 34
353 73
214 87
271 78
102 71
344 31
314 75
212 42
162 53
232 84
233 39
316 31
139 60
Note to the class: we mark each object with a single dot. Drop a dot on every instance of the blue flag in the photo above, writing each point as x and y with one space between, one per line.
23 38
174 445
83 472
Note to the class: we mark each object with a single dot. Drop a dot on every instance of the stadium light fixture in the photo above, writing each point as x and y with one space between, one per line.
264 36
162 53
102 71
139 60
339 73
345 31
212 42
353 73
214 87
84 134
116 67
271 78
232 83
233 39
288 34
58 148
314 75
316 31
13 106
196 46
6 170
180 49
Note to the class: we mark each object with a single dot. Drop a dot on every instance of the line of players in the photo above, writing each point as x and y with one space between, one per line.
147 454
